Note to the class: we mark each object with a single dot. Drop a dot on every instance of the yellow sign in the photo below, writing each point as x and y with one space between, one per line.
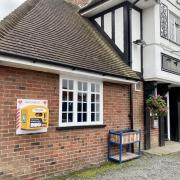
34 117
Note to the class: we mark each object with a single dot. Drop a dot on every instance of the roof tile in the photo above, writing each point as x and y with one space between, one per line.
53 31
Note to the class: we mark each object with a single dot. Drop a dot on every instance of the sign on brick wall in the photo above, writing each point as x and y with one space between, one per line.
32 116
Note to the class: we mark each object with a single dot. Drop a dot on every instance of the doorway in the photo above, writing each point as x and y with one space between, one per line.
174 100
163 90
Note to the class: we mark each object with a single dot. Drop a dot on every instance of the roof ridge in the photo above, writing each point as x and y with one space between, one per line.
15 16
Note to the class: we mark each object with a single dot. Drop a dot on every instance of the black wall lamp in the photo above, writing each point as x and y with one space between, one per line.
140 42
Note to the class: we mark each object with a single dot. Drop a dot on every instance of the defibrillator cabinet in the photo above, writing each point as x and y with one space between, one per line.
34 117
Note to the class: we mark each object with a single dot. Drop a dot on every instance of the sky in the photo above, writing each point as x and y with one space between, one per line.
7 6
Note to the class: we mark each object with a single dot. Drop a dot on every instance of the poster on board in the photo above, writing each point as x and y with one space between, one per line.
24 103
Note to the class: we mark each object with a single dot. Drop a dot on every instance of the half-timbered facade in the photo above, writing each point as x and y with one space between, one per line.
147 35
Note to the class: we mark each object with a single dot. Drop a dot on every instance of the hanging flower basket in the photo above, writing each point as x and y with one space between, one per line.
157 105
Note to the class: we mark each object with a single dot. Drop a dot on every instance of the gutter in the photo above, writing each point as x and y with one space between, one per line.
55 67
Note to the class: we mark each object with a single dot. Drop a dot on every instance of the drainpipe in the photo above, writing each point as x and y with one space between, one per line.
131 112
131 107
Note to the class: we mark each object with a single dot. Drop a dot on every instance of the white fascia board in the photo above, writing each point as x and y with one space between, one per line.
55 69
101 7
111 3
161 80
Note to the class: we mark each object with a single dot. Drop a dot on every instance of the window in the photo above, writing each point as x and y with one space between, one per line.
95 102
138 86
81 102
170 64
174 28
67 100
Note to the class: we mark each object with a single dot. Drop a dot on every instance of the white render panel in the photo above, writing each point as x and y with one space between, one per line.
98 20
149 25
149 37
157 45
136 34
119 28
108 24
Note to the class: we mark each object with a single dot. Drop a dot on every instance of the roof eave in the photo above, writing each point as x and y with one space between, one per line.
16 57
96 8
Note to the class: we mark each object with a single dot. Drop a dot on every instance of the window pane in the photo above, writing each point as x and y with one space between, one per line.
178 34
84 117
64 106
85 107
85 97
92 107
97 116
64 84
80 97
92 97
97 97
64 96
97 107
92 87
70 96
64 117
70 106
71 84
97 88
172 27
84 86
70 117
79 117
80 86
92 117
79 107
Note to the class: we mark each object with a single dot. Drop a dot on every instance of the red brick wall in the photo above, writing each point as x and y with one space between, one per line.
138 110
41 155
154 137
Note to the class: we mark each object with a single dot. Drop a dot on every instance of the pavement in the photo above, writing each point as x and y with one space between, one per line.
162 163
149 167
169 148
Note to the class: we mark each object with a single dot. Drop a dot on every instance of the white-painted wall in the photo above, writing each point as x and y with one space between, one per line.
157 45
136 34
108 24
119 28
98 20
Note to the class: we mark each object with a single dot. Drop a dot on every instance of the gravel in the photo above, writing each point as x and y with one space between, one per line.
148 167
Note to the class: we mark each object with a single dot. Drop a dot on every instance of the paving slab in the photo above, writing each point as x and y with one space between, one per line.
169 148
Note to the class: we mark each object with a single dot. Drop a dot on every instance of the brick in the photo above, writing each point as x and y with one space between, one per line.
42 155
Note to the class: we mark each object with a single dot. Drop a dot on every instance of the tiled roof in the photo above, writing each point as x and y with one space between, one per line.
53 31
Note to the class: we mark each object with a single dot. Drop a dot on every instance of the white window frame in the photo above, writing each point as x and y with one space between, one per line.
136 89
75 123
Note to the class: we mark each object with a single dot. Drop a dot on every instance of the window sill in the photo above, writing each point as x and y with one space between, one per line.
80 127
